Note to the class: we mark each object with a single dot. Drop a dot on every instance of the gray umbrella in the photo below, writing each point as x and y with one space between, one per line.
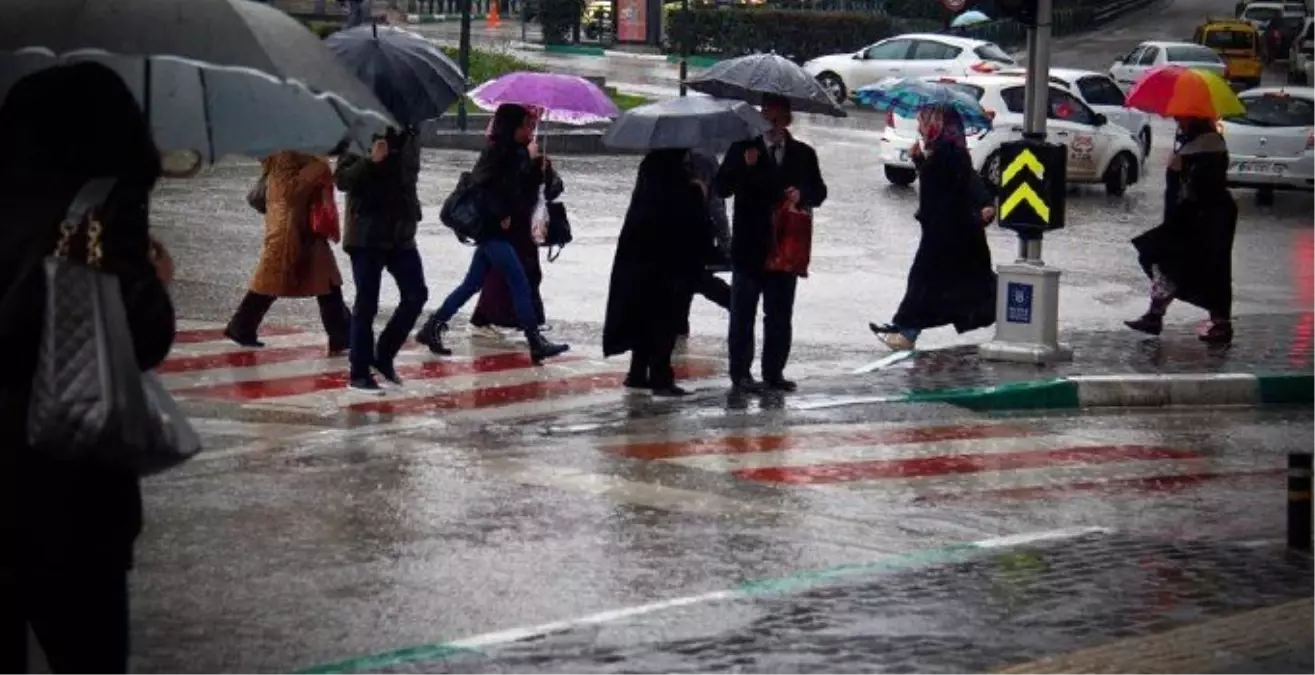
250 64
694 122
748 78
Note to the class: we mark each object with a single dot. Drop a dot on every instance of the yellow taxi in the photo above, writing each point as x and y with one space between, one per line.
1238 43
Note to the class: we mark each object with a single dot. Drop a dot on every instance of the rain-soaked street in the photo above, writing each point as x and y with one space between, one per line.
493 516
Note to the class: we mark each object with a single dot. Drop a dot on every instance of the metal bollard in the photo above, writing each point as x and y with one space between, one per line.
1299 504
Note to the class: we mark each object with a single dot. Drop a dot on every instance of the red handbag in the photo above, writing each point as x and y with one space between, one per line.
792 241
324 214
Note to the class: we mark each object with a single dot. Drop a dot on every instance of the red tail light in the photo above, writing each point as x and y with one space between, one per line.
890 118
984 67
1310 141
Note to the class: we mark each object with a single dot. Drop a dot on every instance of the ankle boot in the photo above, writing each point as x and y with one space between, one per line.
1151 324
1219 333
431 336
541 348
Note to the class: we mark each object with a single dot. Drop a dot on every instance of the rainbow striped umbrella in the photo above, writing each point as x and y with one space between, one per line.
1175 91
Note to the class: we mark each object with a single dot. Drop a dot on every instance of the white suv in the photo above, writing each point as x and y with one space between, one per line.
1098 150
912 55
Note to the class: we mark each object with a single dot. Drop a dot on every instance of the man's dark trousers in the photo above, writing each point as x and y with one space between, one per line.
368 265
777 291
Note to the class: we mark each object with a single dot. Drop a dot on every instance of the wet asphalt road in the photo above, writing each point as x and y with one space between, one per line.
293 544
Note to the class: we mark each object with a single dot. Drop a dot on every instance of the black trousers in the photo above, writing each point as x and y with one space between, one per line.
777 290
710 286
650 360
79 617
335 316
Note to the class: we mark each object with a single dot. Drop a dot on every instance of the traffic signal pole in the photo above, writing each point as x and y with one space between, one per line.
1032 184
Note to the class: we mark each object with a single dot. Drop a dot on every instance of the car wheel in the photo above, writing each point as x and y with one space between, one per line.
901 176
991 171
834 86
1265 197
1145 139
1118 175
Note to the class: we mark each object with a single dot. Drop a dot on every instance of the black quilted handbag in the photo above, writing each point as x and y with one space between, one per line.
90 403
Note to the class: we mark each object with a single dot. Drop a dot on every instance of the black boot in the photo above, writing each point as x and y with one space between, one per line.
1149 323
541 348
1219 333
431 336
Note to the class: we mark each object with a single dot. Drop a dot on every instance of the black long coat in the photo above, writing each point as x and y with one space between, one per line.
951 280
1193 247
660 253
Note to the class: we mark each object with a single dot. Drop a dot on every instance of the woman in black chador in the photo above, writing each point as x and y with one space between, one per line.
660 255
1189 256
951 281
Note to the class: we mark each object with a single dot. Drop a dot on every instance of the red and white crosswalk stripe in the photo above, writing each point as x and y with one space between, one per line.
484 378
940 462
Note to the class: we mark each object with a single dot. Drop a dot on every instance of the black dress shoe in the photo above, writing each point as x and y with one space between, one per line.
670 391
366 384
781 384
746 385
635 382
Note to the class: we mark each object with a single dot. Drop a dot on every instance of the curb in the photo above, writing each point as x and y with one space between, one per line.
441 18
1130 391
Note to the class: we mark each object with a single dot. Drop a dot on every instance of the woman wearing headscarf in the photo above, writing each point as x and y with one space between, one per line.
494 307
660 254
67 529
504 171
1189 256
295 260
951 281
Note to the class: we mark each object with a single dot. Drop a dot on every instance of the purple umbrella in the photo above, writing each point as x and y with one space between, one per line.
562 98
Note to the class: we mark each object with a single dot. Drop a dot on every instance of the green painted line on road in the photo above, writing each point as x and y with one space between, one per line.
575 50
792 582
1050 393
1286 388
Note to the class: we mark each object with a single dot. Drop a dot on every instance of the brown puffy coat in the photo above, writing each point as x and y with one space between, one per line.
294 261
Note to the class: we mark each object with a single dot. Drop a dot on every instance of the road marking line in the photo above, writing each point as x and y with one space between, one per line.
883 362
800 580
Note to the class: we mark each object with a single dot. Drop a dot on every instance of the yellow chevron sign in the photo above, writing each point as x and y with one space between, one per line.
1025 193
1024 160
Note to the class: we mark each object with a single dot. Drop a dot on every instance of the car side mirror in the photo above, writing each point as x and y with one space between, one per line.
1101 120
859 56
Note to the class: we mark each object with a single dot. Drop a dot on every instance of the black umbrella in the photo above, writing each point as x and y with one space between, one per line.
413 77
749 78
216 32
691 122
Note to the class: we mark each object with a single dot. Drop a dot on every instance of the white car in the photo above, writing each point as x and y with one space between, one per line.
912 55
1103 95
1272 146
1098 150
1300 55
1259 14
1147 55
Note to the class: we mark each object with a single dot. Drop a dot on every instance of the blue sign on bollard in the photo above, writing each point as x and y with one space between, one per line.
1018 304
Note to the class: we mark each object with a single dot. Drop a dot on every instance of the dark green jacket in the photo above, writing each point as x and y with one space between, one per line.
383 208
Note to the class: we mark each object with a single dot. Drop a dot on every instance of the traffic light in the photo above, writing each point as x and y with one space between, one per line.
1022 11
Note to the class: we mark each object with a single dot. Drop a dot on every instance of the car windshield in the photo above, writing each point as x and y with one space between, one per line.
1229 39
1263 14
1276 110
1191 54
991 52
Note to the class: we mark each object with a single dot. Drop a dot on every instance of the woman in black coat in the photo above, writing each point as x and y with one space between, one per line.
67 529
660 254
951 280
505 174
1189 256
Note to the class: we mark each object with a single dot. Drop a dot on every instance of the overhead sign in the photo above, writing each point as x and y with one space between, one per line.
1032 186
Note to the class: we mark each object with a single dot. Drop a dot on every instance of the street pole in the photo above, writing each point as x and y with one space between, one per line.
1027 295
463 60
684 46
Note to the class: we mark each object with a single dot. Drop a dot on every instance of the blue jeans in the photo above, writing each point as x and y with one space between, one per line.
777 290
408 273
499 255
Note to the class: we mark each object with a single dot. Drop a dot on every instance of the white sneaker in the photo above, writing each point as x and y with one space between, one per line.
486 332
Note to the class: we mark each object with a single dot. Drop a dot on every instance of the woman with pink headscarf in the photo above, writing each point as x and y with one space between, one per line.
951 281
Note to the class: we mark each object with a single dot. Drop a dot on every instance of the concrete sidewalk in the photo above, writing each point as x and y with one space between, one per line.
1269 362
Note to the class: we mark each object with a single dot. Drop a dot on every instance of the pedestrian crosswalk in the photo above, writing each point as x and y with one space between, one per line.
492 379
947 462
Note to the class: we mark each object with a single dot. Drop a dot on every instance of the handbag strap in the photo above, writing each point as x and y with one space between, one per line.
90 196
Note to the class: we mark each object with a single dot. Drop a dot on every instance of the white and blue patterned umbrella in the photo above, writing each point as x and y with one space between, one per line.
906 96
969 18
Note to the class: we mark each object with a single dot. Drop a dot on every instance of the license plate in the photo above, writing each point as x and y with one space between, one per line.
1267 168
